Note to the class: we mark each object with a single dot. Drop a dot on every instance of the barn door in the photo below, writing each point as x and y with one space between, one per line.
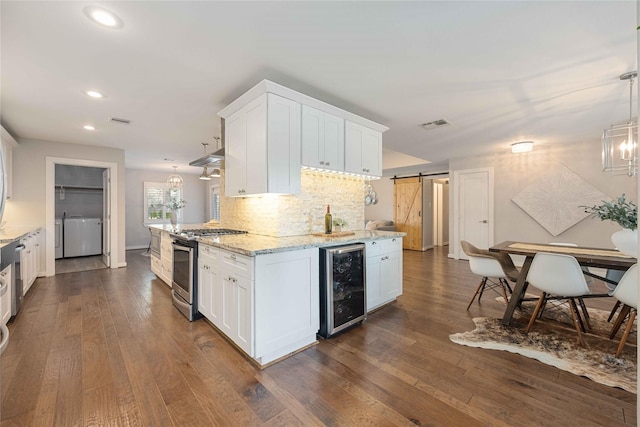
408 211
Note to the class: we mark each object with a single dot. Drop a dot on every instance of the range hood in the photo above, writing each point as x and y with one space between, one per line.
215 158
210 159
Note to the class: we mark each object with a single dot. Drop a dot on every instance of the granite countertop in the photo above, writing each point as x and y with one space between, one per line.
9 234
256 244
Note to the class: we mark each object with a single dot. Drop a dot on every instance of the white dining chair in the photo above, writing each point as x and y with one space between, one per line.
614 276
559 277
490 266
627 293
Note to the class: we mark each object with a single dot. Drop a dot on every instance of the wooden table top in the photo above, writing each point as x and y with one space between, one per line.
592 257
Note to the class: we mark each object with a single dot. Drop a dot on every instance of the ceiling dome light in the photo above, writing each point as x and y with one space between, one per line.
103 17
89 127
94 94
522 147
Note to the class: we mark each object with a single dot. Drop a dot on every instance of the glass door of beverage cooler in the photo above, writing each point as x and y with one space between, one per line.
342 288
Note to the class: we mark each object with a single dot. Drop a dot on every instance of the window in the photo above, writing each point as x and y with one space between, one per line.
156 196
214 202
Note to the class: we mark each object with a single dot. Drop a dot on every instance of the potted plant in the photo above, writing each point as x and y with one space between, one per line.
338 223
623 213
173 205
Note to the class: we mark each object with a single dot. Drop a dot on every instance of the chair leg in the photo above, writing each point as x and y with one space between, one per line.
484 281
584 308
623 340
478 289
616 325
504 290
535 311
573 310
586 315
613 311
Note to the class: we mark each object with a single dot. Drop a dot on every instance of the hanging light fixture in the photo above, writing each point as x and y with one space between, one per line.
215 173
175 181
205 175
620 142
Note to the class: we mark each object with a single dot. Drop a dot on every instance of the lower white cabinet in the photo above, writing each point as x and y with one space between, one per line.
384 271
163 266
30 259
267 305
5 294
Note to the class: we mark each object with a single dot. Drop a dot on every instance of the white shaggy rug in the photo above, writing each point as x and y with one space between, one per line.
552 341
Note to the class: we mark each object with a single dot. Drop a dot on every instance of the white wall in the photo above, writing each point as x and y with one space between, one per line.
514 172
384 208
27 205
194 192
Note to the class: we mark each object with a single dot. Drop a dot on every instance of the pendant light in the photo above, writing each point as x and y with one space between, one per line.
205 175
175 181
620 142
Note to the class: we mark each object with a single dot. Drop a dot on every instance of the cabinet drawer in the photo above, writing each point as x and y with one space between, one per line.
374 247
207 250
392 245
236 264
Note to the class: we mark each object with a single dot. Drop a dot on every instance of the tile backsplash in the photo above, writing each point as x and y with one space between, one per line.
298 214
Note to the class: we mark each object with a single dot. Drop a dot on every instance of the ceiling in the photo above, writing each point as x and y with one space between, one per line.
500 72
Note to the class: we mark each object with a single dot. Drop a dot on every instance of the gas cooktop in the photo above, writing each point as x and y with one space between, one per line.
204 232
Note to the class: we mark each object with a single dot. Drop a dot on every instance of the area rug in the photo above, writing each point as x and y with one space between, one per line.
553 341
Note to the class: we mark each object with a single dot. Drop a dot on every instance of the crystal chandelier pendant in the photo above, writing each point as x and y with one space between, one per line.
175 181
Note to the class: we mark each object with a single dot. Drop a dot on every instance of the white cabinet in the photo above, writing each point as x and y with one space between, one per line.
287 302
236 320
162 265
268 305
30 259
363 150
322 140
5 294
384 271
262 147
8 143
208 283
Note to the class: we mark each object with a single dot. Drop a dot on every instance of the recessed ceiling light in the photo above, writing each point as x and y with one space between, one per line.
94 94
103 17
89 127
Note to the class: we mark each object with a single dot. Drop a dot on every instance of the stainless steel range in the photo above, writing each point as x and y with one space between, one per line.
185 267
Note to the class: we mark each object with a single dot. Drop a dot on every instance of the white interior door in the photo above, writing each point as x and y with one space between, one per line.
437 214
106 217
473 210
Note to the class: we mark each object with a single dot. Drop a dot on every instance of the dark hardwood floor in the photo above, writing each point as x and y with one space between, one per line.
106 347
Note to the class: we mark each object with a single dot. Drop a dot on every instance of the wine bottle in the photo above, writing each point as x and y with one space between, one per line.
328 223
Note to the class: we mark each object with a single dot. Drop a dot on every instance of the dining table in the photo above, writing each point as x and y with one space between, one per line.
610 259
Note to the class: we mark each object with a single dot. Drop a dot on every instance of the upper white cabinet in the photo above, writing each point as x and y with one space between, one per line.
363 150
271 130
8 144
262 147
322 139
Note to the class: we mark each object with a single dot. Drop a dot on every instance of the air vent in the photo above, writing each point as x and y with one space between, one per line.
435 124
120 121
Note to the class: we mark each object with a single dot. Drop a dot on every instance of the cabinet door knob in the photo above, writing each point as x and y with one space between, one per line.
233 257
328 164
373 243
321 162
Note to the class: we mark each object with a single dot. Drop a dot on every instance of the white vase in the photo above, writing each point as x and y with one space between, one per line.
626 241
174 218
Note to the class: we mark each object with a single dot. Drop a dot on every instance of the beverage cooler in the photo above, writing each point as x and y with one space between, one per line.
342 288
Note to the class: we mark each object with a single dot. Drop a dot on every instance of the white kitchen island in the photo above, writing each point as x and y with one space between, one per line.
263 292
